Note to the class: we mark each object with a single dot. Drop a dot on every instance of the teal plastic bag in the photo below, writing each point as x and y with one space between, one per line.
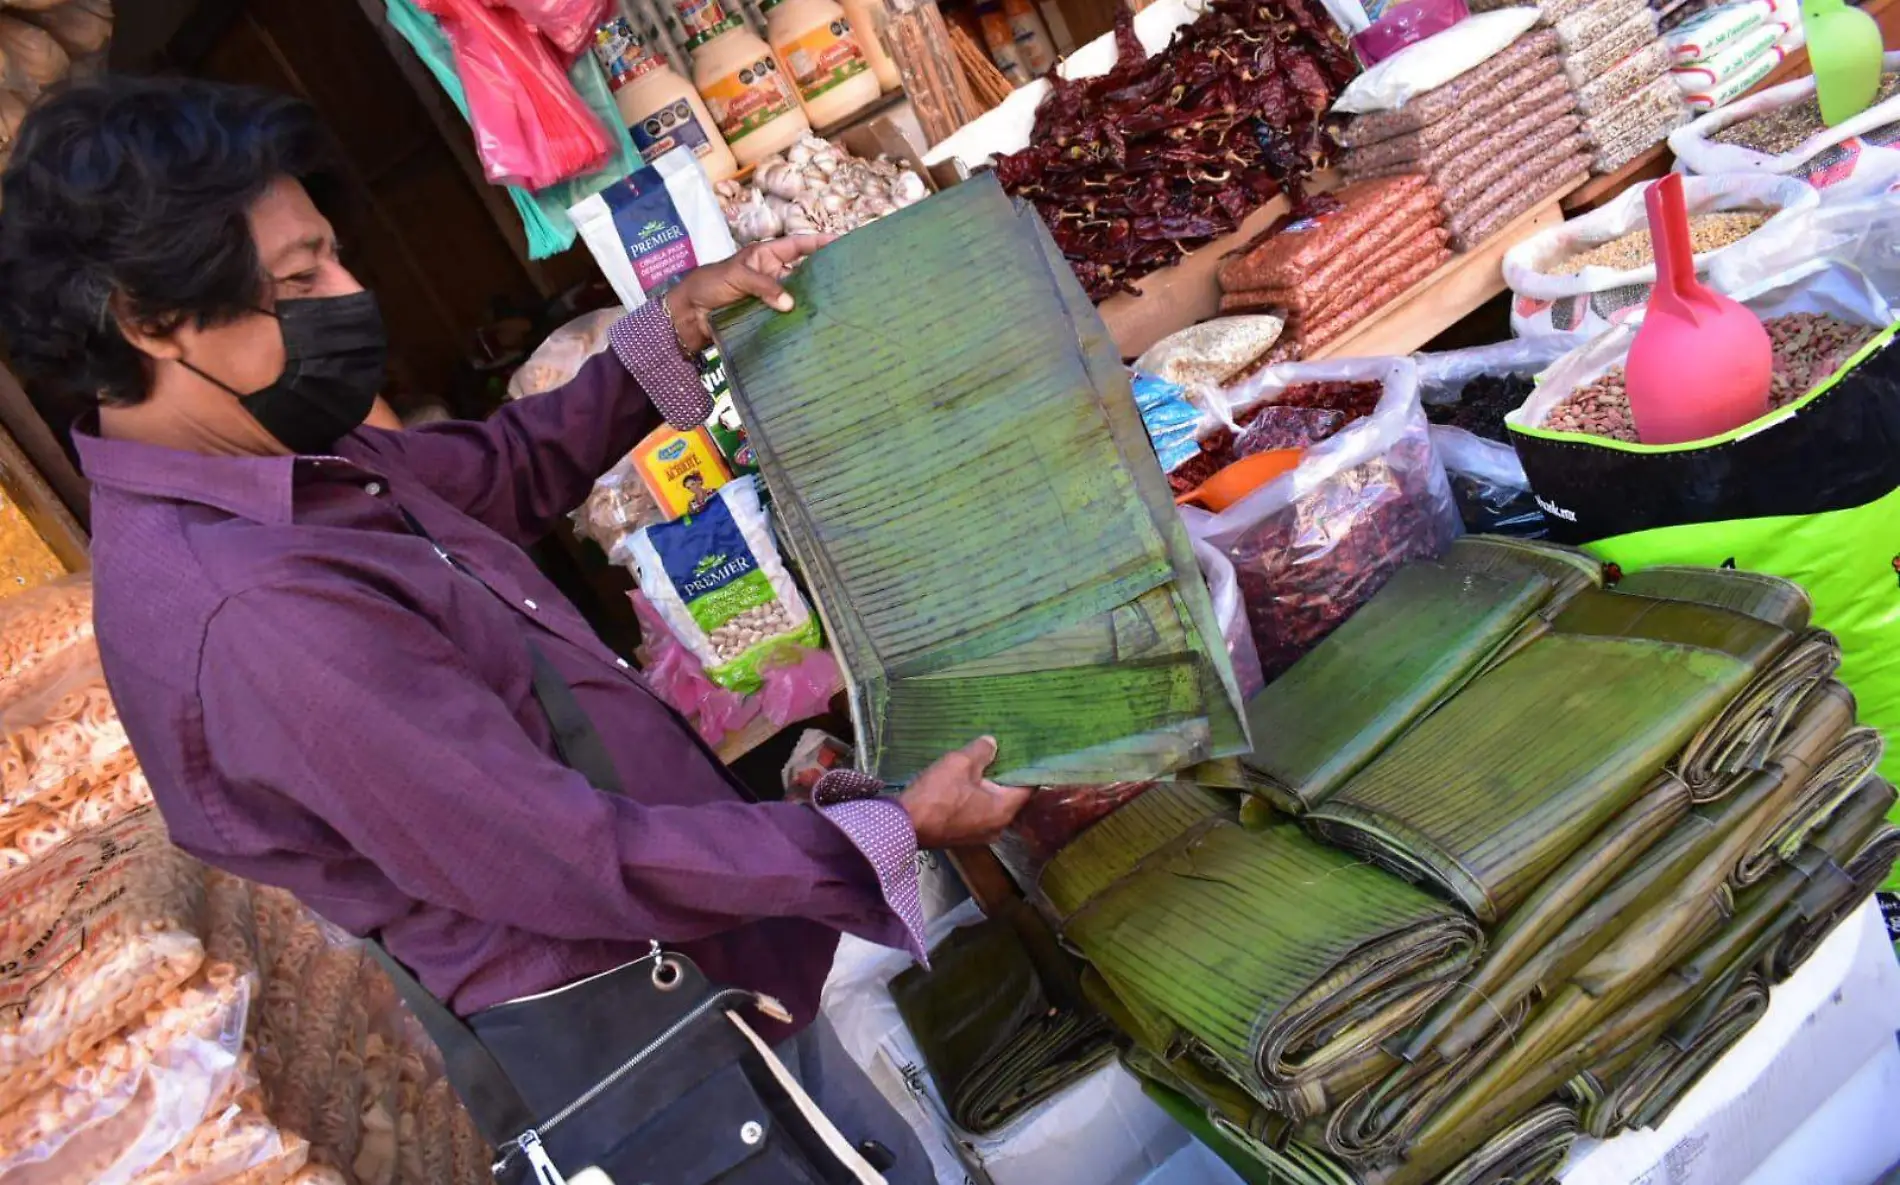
543 212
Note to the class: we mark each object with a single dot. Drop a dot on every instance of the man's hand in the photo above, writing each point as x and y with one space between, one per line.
755 271
952 804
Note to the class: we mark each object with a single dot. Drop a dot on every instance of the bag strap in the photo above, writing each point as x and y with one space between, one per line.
575 738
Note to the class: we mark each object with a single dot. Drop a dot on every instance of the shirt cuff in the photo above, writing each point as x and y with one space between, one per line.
647 345
881 830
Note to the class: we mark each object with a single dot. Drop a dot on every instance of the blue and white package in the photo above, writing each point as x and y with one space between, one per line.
1170 419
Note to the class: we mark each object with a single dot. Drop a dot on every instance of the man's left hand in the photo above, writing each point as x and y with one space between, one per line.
755 271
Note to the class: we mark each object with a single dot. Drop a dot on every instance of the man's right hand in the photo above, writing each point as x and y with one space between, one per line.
952 804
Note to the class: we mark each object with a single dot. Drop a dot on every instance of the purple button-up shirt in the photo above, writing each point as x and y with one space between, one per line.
321 703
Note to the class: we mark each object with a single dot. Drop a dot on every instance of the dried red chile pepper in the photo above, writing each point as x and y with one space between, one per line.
1219 448
1135 168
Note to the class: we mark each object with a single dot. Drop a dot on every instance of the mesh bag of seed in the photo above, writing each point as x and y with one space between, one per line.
1311 546
1780 131
1588 26
717 580
1809 492
1624 79
1597 270
1555 169
1586 63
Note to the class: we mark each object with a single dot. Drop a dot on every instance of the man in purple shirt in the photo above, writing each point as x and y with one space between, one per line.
318 699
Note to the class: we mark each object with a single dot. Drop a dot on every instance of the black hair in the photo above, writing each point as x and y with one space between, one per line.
129 196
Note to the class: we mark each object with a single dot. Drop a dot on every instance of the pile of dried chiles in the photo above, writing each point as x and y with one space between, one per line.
1133 169
1808 347
1301 415
1483 404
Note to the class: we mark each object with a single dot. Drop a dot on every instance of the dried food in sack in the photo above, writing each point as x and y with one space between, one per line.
1614 154
1210 354
59 738
1624 79
1287 427
1584 65
1300 288
1483 404
1549 99
238 1146
1368 292
1779 131
69 985
1312 546
1306 238
1552 171
1715 30
1707 233
1524 63
38 627
1423 66
1393 137
717 580
1785 128
96 799
1591 24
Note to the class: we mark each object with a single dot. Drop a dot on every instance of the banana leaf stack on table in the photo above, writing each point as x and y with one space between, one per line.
1524 856
986 532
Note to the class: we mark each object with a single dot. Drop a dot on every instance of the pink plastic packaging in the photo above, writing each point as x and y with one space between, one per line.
569 24
1405 24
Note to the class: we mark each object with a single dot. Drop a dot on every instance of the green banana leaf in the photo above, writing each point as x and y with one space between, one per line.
1497 788
1282 959
1740 739
1643 1094
1569 570
1115 846
1846 767
987 535
1532 1149
1780 602
1408 649
1253 1160
1862 873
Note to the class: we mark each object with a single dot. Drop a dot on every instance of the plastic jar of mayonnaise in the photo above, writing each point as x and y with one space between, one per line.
869 19
828 66
748 93
662 111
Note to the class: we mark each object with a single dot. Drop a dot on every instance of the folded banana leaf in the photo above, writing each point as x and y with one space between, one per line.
1740 739
988 537
1491 793
1282 959
1849 764
1532 1149
999 1020
1780 602
1254 1160
1861 874
1643 1094
1115 846
1569 570
1404 652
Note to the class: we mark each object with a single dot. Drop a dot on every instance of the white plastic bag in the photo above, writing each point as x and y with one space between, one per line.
1863 233
654 225
1596 298
1312 545
1858 158
1434 61
558 359
1219 571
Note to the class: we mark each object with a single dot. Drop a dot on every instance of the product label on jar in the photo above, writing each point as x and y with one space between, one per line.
823 57
749 98
672 126
650 228
620 53
698 16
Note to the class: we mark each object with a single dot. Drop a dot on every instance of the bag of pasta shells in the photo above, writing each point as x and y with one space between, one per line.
239 1145
39 626
91 937
98 799
59 741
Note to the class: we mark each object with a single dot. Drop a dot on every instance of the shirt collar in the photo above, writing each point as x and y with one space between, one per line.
256 488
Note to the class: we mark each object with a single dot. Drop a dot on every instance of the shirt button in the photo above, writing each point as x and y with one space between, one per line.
530 604
621 663
373 488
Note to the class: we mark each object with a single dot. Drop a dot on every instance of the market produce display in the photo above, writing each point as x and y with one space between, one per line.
1707 232
1482 405
1162 154
1495 141
1786 128
883 448
815 187
1338 259
1455 951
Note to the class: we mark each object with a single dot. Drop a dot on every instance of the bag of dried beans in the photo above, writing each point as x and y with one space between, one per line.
1596 270
1808 492
1311 546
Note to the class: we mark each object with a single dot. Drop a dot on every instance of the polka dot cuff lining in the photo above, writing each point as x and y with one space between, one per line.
646 344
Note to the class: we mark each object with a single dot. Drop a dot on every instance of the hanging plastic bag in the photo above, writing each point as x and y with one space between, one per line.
1863 233
1232 614
531 127
1312 545
653 226
543 215
569 24
1857 158
1592 299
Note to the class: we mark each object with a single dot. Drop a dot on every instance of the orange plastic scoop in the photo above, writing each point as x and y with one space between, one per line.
1234 482
1701 363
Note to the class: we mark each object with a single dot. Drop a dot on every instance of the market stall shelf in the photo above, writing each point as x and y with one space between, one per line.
1443 298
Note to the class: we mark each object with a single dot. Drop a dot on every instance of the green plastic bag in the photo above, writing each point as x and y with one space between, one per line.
543 212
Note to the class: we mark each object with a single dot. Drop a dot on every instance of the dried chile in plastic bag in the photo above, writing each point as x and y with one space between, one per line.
1278 427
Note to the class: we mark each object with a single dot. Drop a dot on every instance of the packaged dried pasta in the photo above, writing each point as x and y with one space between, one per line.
129 1101
236 1146
99 799
60 736
40 625
90 938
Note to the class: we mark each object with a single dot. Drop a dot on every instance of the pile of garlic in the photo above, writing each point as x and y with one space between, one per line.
816 186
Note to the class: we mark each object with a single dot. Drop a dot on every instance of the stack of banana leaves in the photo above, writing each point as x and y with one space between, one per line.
1524 857
989 539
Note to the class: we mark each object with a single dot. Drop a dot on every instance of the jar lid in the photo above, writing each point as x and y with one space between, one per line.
723 27
769 5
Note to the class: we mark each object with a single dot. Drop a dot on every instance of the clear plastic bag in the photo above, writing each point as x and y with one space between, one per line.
617 506
531 127
39 626
237 1146
558 359
1232 614
1435 61
679 679
1311 546
60 738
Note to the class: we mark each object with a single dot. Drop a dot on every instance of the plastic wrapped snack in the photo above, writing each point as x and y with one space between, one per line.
618 505
558 359
90 938
59 737
1586 64
1589 25
95 800
40 625
1624 79
237 1146
1460 102
718 582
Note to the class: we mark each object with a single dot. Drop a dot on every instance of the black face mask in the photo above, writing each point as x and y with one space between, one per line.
335 355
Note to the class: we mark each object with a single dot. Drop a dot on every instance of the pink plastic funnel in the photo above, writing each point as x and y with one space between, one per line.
1701 363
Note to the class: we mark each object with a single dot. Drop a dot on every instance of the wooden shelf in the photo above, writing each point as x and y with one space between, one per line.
1445 297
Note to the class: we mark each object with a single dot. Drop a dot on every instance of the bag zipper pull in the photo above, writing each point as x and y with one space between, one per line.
771 1008
544 1171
